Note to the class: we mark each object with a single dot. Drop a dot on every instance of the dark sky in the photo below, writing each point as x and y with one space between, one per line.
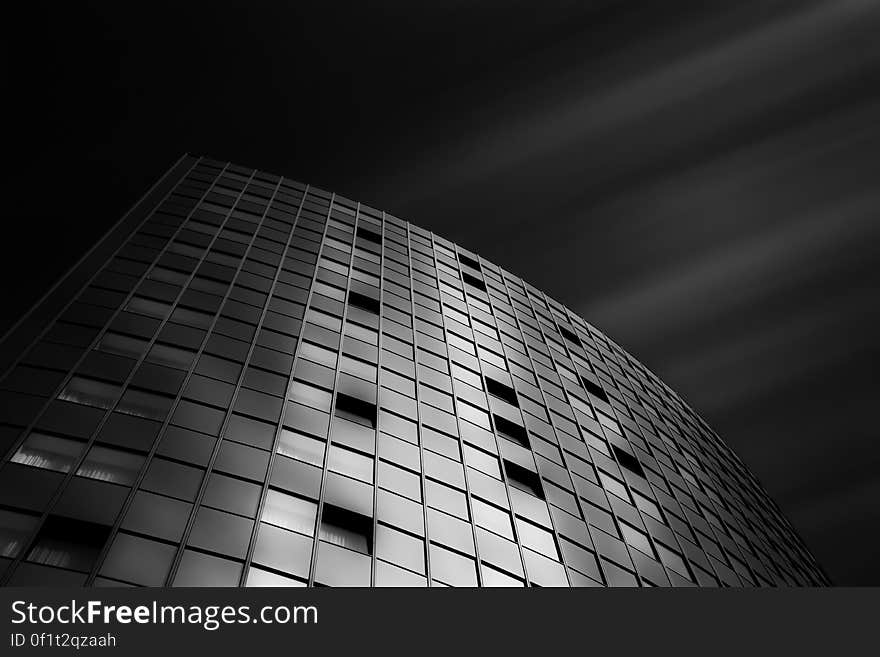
699 180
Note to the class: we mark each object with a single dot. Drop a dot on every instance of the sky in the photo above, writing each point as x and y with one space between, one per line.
698 180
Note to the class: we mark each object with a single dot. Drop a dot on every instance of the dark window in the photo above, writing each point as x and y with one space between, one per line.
523 479
628 461
347 529
501 391
470 262
356 410
369 235
511 430
593 389
568 335
67 543
364 302
473 281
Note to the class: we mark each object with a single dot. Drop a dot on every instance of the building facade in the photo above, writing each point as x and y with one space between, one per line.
254 382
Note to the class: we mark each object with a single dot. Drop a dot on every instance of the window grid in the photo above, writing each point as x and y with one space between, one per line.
250 260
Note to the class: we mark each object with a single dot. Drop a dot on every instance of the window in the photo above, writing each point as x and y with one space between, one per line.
167 275
672 560
122 345
15 529
259 577
221 532
352 464
194 318
138 560
470 262
450 568
594 389
297 446
198 569
289 512
369 235
111 465
536 538
231 494
492 518
363 302
400 548
41 450
148 307
145 404
67 543
356 410
501 391
523 479
473 281
570 336
628 461
347 529
90 391
636 538
613 485
511 430
164 354
174 479
310 395
199 417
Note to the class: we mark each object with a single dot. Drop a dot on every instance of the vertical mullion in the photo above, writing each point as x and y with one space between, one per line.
272 453
91 347
320 512
379 324
415 354
652 488
458 421
552 424
614 517
504 480
181 548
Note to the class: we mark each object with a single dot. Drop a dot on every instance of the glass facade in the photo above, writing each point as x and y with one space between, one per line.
266 384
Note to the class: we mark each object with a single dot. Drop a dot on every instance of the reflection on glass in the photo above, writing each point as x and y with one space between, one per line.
48 452
290 512
300 447
148 307
164 354
122 345
144 404
346 462
90 391
257 577
111 465
310 395
15 528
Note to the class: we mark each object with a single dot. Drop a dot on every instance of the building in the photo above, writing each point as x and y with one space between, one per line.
250 381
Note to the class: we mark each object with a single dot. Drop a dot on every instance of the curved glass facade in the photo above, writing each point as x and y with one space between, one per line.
254 382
